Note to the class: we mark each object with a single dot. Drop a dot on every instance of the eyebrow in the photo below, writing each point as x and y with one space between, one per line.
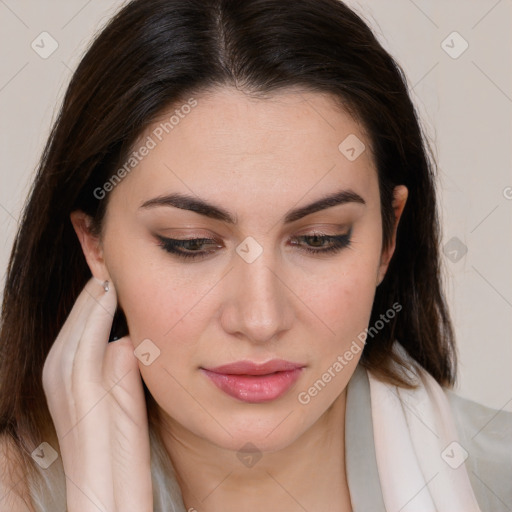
202 207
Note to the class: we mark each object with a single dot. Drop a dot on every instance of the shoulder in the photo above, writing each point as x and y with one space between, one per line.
13 489
486 428
485 434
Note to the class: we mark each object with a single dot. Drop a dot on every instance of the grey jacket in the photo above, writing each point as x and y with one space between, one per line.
486 434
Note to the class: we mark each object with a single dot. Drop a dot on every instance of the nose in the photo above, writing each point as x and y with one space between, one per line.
258 301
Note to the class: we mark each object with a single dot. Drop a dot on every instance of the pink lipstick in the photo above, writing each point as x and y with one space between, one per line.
255 383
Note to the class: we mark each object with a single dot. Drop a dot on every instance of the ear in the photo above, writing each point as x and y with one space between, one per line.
400 193
91 244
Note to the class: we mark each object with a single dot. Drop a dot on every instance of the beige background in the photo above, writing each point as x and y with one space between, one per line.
465 102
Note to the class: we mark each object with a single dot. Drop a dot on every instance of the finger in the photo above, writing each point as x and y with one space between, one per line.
74 324
60 358
90 352
131 459
120 362
90 297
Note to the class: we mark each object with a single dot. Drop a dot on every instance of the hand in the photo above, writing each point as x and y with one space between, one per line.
96 399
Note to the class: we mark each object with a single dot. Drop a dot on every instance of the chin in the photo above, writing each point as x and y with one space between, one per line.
269 432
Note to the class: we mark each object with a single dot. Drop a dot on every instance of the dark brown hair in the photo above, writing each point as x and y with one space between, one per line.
153 54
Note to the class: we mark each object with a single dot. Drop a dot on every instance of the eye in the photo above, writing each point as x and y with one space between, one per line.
188 248
194 248
320 243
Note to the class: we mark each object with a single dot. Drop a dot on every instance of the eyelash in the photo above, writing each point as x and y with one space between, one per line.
173 245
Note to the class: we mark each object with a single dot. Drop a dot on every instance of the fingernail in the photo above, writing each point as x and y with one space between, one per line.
105 286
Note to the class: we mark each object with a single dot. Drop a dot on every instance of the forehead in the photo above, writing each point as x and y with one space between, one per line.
225 142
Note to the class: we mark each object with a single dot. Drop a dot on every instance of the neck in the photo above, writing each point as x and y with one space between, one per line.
307 474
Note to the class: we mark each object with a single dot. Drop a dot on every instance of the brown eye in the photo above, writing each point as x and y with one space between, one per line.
319 243
188 248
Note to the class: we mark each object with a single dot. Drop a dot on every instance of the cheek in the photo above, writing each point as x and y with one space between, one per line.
343 301
344 294
345 305
159 306
155 294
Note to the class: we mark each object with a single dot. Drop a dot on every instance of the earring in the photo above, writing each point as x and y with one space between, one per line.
105 286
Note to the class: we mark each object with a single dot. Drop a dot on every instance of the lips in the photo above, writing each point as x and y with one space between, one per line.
250 368
253 382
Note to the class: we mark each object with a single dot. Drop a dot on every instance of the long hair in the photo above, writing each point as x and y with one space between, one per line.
151 56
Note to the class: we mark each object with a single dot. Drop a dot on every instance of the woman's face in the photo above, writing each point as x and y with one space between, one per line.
255 292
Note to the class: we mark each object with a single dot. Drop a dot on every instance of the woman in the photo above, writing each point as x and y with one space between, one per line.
238 196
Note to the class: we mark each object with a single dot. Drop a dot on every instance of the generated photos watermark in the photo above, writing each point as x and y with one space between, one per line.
305 397
152 140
